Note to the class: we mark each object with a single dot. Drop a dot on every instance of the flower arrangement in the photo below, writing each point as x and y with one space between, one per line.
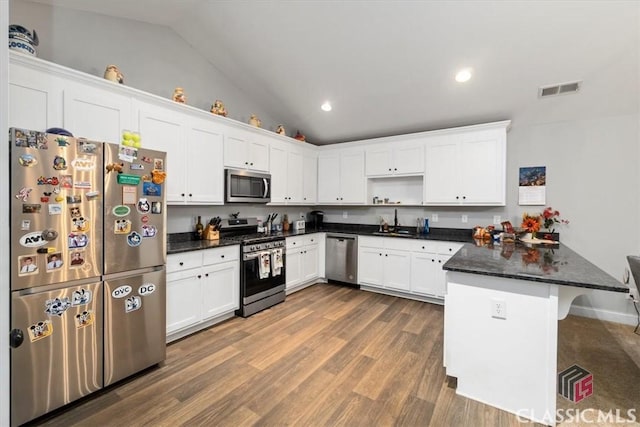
547 220
551 217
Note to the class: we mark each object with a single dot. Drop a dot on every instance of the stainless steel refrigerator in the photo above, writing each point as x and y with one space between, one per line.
88 251
134 260
56 266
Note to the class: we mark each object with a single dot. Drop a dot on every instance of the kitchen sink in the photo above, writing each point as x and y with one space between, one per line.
380 233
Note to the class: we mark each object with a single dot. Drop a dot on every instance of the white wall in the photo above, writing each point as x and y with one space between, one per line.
4 217
153 58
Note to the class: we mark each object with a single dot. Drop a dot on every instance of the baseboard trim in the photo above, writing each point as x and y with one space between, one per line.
610 316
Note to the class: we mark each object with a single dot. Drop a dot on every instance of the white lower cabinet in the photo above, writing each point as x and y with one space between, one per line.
201 286
304 260
406 265
382 262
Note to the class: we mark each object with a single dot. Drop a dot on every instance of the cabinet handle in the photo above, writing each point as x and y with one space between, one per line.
439 261
464 197
395 169
423 247
341 198
386 254
449 249
433 260
337 198
457 197
182 194
312 240
380 254
389 169
293 243
199 276
206 275
251 163
181 263
246 163
190 195
305 198
221 256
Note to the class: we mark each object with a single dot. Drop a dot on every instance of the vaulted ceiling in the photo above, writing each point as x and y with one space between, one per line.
388 66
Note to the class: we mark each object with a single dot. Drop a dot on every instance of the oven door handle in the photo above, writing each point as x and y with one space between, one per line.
251 256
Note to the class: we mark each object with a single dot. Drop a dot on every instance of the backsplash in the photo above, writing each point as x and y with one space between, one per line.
183 218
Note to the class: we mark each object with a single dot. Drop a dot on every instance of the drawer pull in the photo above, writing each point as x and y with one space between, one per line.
181 263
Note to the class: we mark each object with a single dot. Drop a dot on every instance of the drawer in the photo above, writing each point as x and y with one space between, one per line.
425 246
449 248
184 261
296 242
218 255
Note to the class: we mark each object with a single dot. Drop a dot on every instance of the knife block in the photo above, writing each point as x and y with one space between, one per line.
210 234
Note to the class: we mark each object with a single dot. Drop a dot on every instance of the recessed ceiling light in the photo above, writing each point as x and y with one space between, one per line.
463 75
326 106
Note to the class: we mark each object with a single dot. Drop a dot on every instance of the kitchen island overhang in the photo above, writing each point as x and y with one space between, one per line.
501 322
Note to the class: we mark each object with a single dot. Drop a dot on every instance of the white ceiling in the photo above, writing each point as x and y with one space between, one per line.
388 66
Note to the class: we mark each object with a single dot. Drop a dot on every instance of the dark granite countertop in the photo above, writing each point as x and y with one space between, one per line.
556 264
183 242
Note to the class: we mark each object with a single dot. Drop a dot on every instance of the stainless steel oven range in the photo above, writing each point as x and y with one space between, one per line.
262 268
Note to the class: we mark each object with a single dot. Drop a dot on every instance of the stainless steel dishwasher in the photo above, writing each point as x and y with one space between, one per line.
342 258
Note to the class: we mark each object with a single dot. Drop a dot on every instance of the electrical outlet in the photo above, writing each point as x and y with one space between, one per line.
301 215
497 220
465 219
434 217
345 214
498 308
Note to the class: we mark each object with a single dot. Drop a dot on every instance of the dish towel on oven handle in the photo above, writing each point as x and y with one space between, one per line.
276 262
265 265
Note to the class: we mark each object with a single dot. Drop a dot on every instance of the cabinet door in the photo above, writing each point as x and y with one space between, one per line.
162 129
35 99
310 178
441 172
379 162
294 177
278 161
95 113
397 270
220 289
370 266
423 273
203 164
482 168
258 154
408 160
183 301
236 150
329 179
439 276
352 178
294 267
310 262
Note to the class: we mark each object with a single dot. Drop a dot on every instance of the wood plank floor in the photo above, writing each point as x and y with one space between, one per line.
334 356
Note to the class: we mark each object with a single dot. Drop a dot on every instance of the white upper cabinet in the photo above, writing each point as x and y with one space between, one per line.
194 153
35 98
245 150
96 113
467 168
286 166
341 178
383 160
309 176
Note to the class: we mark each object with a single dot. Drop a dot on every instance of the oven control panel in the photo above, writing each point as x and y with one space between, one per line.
265 246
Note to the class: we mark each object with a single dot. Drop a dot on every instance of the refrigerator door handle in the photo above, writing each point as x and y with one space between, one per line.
16 338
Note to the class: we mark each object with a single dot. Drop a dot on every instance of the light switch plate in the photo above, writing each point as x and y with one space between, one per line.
465 219
434 217
345 214
497 220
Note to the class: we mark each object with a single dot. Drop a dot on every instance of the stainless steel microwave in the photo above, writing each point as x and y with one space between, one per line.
243 186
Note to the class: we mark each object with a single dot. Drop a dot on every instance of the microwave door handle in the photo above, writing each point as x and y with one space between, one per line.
266 188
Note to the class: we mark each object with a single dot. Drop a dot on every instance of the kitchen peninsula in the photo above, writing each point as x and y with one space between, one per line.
502 309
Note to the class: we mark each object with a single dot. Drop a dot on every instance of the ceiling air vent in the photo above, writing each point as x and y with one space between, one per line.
559 89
